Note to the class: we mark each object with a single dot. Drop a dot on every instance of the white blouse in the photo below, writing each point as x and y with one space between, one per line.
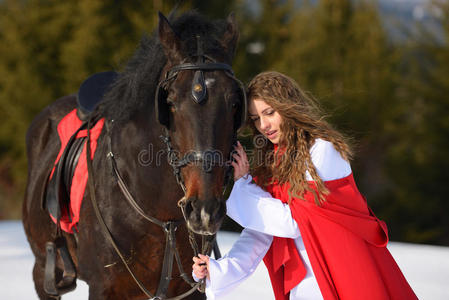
263 217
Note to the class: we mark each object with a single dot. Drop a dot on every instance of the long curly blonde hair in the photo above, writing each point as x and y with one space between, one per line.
302 123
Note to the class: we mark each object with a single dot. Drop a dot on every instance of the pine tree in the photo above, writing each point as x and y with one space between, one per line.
418 161
340 54
263 33
47 48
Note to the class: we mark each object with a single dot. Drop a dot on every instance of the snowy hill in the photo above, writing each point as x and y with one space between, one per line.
425 267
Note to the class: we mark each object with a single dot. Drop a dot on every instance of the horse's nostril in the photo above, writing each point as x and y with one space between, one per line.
215 207
189 207
196 204
204 217
193 208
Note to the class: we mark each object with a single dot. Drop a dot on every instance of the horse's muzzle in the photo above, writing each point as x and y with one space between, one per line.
204 216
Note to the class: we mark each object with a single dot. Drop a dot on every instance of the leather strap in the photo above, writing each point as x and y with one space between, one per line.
104 229
200 66
169 228
167 265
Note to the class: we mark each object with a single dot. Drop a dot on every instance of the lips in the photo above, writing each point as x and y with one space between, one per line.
271 134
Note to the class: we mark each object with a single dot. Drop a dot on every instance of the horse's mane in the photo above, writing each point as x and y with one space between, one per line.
136 85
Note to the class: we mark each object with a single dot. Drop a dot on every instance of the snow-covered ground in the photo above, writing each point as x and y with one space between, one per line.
425 267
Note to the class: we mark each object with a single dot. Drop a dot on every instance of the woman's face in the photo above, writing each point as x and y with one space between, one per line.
266 119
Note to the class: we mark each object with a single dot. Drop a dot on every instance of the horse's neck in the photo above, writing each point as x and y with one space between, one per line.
142 156
135 138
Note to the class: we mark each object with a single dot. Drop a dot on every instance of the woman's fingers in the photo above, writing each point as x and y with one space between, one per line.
200 274
200 267
242 153
240 157
201 260
240 150
204 258
240 163
239 160
239 171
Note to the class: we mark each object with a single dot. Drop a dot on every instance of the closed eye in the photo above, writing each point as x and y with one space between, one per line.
254 119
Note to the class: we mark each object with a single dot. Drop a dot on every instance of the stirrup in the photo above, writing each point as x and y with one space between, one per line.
68 281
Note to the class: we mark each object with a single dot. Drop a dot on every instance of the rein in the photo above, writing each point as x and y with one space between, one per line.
199 93
171 252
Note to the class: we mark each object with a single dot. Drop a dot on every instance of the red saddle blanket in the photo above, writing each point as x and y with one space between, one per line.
66 128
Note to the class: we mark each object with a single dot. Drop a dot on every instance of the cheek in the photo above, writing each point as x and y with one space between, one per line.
278 121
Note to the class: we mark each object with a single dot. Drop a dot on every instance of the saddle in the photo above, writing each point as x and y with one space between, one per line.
57 199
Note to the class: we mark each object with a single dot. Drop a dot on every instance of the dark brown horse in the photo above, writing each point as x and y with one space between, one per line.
199 106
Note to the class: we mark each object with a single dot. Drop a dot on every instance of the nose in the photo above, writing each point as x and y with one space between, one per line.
264 124
204 217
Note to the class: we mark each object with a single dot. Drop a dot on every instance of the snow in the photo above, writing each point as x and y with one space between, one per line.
426 268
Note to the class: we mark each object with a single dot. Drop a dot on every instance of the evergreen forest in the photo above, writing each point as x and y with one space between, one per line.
390 95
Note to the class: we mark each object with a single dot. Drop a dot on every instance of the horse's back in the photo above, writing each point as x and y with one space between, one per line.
50 115
42 142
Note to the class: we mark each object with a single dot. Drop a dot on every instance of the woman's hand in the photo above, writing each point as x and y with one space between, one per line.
241 164
201 266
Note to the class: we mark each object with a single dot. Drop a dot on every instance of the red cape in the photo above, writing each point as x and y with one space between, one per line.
346 245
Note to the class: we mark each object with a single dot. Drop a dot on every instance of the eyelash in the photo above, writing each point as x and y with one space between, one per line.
268 114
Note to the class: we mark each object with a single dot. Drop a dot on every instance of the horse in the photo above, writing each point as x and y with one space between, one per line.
177 104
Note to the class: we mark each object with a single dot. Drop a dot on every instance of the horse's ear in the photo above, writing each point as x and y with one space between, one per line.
231 35
169 39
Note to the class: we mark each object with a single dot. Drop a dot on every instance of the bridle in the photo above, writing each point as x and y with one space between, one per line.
169 228
199 93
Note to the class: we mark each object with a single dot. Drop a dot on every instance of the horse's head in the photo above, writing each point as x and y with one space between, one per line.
201 104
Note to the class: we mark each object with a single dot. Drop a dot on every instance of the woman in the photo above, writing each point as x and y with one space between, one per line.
305 217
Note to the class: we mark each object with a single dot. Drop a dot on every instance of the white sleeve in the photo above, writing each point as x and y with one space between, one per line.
242 260
252 207
328 162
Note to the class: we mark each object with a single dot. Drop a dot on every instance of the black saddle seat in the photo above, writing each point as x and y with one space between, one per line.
92 90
